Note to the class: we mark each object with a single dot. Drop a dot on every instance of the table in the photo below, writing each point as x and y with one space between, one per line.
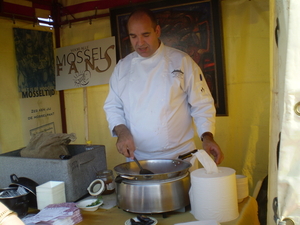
247 216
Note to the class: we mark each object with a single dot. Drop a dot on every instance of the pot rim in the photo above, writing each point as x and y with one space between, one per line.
149 182
130 169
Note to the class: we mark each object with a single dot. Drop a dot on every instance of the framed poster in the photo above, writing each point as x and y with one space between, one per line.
189 25
35 62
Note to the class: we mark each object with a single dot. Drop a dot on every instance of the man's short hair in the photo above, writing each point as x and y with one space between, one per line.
146 11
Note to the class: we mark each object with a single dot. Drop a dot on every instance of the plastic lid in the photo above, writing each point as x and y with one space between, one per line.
96 187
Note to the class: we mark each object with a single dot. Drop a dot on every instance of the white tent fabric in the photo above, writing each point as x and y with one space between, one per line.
285 195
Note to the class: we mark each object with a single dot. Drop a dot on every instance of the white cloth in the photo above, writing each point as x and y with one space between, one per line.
286 97
157 98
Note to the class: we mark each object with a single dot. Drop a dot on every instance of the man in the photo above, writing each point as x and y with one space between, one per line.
155 94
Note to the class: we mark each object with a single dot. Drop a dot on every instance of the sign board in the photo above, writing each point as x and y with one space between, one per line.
86 64
40 114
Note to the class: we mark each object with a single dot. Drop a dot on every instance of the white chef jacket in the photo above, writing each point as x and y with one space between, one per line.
157 98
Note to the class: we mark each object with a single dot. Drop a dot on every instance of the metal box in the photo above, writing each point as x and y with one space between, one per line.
77 172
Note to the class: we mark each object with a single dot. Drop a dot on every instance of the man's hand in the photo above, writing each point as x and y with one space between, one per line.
125 143
212 148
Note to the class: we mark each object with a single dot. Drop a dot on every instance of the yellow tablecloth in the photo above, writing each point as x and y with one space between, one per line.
247 216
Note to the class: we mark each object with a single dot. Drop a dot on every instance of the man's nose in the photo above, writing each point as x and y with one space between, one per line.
141 41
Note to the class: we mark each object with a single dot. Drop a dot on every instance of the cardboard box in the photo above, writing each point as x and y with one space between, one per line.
77 172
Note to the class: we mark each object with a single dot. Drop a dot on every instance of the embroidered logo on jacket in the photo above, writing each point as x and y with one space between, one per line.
177 73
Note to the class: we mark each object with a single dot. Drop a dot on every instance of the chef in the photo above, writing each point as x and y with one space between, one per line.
155 94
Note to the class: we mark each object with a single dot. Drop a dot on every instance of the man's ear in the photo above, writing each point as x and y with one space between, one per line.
158 30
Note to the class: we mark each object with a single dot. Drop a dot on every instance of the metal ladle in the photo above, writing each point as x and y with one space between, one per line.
142 170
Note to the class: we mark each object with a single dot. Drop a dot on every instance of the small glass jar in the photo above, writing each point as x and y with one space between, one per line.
109 181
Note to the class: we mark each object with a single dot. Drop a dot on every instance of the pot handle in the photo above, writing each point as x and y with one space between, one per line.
14 178
187 155
120 178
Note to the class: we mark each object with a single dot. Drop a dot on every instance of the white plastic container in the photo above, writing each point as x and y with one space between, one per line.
51 192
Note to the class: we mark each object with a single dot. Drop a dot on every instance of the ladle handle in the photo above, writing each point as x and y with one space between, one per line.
187 155
138 163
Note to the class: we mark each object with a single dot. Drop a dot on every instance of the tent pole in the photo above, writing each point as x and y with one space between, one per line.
56 18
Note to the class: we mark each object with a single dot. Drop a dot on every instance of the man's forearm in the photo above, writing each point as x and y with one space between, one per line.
207 135
119 129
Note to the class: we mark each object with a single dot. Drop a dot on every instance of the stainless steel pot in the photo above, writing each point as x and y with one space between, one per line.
164 191
153 196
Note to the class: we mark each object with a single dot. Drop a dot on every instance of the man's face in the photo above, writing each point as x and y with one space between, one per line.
143 37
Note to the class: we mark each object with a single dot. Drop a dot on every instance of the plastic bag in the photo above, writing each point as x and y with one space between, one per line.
48 145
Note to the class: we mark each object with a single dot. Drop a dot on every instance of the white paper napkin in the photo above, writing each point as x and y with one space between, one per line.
207 162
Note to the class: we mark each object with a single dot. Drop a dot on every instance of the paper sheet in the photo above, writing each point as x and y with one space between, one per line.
63 213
